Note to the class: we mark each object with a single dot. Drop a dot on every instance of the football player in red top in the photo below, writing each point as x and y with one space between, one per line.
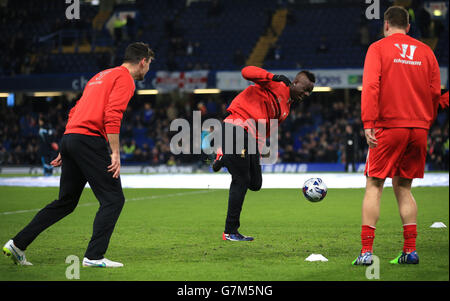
399 101
269 99
92 128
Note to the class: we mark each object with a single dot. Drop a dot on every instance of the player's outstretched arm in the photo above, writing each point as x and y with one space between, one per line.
263 77
256 75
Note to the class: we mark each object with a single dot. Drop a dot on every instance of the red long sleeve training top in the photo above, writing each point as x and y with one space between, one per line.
261 102
100 109
401 84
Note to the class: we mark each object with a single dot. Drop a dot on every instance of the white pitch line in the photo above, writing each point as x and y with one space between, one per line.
126 200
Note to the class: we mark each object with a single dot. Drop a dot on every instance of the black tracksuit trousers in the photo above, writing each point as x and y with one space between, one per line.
84 160
245 169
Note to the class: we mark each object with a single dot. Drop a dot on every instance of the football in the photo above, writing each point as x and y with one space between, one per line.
314 189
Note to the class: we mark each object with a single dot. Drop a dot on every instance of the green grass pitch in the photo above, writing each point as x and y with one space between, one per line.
173 234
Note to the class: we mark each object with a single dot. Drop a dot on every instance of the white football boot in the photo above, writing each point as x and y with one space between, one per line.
101 263
16 254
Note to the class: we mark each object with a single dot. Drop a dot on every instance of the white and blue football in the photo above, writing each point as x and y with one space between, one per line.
314 189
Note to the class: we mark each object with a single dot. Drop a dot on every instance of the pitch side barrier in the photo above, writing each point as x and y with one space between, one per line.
187 178
203 168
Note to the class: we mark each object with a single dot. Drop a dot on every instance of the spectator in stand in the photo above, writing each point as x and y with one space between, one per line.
131 28
119 23
350 151
47 145
172 111
215 8
323 45
190 48
277 53
239 58
128 150
364 35
147 114
202 108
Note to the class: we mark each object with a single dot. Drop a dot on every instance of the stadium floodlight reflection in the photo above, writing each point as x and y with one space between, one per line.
207 91
322 89
47 94
437 12
147 92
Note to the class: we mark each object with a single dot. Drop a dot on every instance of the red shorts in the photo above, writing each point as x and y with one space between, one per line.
400 152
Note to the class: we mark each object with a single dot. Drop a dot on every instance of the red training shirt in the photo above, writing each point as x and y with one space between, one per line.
401 84
100 109
261 102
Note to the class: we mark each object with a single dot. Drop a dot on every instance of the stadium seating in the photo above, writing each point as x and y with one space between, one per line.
217 33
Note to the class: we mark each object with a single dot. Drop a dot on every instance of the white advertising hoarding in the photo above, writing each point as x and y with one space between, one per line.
334 78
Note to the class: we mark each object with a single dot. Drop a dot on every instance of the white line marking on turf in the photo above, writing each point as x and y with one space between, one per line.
152 197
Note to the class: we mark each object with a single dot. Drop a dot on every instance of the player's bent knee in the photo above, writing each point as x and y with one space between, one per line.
121 201
69 209
255 186
117 201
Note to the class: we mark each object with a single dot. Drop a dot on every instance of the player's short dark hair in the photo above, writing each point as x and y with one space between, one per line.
309 75
397 16
137 51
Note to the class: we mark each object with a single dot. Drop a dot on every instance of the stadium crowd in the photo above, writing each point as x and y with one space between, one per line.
318 130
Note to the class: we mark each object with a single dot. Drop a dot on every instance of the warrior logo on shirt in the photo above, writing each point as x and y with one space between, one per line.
97 80
102 74
403 54
404 49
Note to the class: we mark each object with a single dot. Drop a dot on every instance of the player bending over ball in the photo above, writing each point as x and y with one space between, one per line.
269 99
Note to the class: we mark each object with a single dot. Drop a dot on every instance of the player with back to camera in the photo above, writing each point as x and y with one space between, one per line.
270 98
93 126
400 96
